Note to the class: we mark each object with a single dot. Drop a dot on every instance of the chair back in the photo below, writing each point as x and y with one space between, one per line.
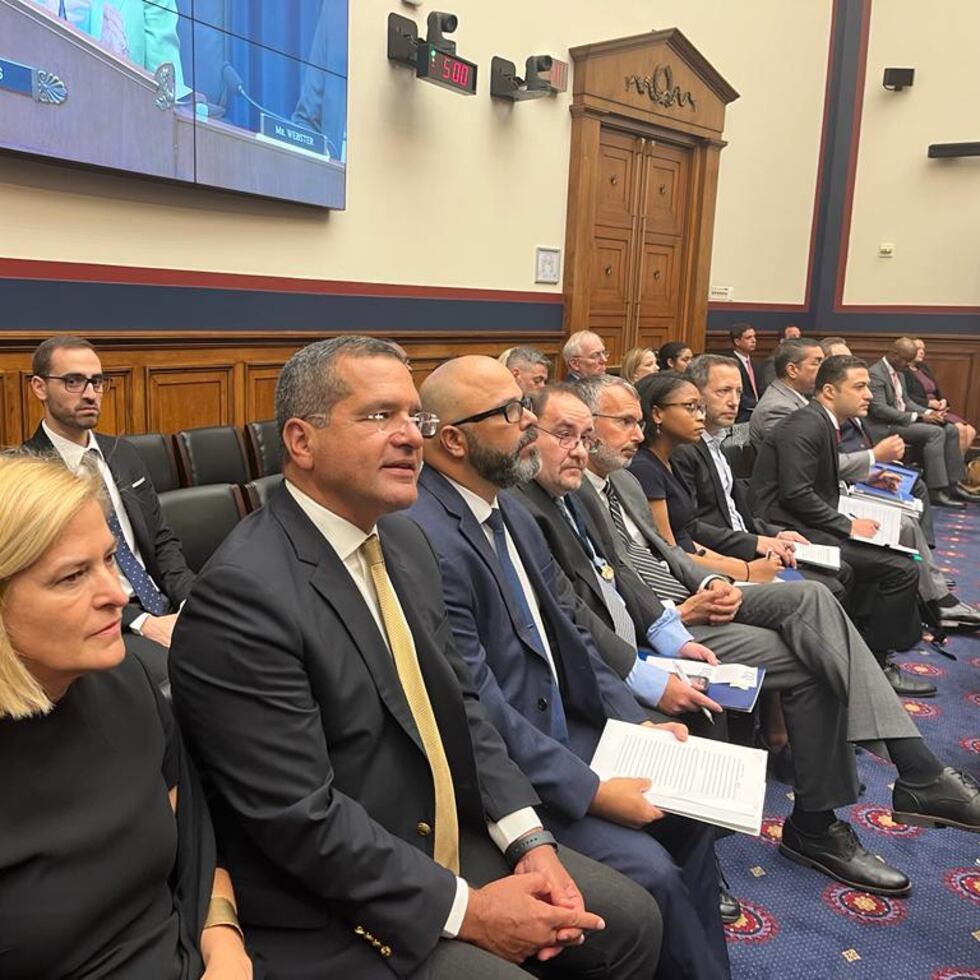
213 454
264 447
202 517
257 492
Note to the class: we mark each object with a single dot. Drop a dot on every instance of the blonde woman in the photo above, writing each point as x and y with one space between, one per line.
106 851
638 363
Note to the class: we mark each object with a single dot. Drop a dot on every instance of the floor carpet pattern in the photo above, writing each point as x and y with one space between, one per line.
797 924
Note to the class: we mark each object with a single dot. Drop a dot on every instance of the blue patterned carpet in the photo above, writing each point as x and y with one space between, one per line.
798 924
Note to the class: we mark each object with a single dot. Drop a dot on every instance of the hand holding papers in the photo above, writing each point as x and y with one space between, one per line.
819 555
705 780
888 519
733 686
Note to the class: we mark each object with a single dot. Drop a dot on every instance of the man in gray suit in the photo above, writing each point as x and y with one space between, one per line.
812 653
894 412
796 363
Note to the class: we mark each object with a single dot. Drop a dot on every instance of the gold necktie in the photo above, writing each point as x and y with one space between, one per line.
446 846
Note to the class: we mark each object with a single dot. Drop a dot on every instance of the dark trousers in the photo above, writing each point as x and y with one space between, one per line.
627 949
153 656
885 600
674 860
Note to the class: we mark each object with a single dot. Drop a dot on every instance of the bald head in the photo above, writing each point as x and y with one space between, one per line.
902 353
467 385
485 453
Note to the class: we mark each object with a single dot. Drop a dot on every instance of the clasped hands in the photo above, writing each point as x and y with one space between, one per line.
716 604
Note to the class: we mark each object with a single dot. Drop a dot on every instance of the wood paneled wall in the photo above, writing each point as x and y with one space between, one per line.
954 359
167 382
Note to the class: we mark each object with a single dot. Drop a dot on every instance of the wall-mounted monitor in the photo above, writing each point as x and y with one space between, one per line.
244 95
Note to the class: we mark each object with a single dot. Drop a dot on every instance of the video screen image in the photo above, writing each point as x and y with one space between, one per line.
246 95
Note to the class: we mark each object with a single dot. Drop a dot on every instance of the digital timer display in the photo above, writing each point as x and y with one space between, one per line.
446 70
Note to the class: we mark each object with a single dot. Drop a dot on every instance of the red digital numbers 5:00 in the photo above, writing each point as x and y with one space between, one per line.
455 72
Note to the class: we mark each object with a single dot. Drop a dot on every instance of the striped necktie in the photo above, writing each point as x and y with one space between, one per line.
653 571
621 619
445 850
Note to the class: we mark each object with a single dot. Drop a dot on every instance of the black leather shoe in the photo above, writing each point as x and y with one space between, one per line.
839 854
730 909
940 498
951 800
908 687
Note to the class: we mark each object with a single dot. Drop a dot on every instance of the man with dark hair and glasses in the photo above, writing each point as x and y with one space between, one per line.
69 382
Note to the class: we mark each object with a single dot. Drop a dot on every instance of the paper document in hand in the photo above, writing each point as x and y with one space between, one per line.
705 780
889 520
735 675
819 555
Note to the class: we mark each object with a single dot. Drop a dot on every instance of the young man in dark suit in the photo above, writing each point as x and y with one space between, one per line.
539 675
743 347
69 382
367 809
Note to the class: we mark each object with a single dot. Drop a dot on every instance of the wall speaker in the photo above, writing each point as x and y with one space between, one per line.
896 79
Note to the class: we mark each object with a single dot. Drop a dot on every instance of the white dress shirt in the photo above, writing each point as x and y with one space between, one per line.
73 454
481 510
346 540
713 442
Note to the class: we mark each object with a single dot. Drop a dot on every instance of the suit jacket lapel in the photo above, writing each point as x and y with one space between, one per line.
701 448
123 479
331 580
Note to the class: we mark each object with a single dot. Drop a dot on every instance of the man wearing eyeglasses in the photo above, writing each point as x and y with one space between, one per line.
539 675
585 355
69 382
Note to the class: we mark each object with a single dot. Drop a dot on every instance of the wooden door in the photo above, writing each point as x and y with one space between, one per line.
637 250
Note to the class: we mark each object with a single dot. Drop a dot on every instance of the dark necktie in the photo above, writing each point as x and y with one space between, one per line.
653 571
513 582
149 596
622 621
62 13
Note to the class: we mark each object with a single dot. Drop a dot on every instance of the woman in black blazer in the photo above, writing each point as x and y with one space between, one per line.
923 388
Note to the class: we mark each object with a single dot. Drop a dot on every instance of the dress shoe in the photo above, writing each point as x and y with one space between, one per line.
960 613
908 687
940 498
839 854
730 909
952 799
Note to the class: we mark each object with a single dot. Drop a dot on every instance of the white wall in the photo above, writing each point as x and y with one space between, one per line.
495 176
929 209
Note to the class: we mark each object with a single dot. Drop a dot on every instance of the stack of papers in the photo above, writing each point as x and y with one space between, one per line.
713 782
733 686
889 521
818 555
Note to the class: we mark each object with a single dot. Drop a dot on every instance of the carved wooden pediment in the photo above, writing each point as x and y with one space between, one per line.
659 76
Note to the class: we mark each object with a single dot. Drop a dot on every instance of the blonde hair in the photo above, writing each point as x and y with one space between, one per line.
631 361
38 498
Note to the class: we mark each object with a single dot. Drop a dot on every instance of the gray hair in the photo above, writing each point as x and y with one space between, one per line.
573 346
309 383
530 356
699 370
590 390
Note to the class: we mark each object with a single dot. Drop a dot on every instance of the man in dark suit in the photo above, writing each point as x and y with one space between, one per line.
723 520
743 344
69 382
892 411
833 691
362 798
585 355
539 675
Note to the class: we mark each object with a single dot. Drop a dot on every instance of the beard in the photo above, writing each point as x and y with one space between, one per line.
505 470
608 460
73 419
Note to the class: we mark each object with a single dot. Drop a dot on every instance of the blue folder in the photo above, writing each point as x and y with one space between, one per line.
904 491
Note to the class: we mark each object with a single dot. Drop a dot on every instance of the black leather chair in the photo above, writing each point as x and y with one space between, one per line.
741 458
157 453
202 518
257 492
264 447
214 454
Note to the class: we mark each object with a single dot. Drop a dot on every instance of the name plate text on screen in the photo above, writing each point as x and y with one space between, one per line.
293 135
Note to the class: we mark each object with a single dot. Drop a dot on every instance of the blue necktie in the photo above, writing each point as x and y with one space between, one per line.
149 596
496 524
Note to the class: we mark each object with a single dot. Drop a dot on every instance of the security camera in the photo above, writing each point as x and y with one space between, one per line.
440 23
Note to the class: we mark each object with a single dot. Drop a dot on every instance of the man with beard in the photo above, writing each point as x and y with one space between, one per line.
69 382
538 675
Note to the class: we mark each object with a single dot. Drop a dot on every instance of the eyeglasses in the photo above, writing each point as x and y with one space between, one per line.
513 411
568 441
599 355
76 383
388 423
692 408
625 422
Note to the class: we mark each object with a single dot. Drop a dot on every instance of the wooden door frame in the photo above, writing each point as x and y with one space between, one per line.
595 106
